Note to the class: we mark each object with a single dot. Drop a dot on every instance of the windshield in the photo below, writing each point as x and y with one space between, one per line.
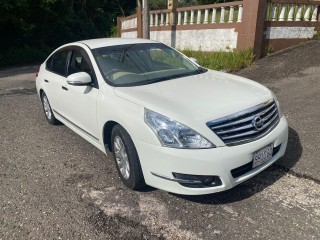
140 64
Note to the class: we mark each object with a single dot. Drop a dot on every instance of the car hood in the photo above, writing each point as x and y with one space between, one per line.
198 98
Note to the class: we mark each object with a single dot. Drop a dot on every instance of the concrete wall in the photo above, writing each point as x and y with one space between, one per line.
202 39
129 34
290 32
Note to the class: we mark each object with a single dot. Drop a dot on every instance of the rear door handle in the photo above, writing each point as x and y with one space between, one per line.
64 88
46 80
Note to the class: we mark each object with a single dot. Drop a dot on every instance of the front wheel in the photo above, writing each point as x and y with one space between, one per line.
126 159
47 110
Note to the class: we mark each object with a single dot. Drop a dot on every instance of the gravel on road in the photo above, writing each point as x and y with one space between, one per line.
55 185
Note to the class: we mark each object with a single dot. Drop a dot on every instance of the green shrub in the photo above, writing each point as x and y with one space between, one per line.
23 55
228 61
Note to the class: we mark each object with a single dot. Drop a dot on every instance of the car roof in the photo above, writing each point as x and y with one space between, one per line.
106 42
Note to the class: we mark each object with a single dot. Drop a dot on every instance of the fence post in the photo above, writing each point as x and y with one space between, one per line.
250 34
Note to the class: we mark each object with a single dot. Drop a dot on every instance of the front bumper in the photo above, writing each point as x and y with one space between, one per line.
162 161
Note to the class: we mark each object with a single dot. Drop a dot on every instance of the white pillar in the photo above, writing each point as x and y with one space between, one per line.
231 14
151 20
214 15
283 12
185 18
179 18
199 17
222 14
315 13
240 13
167 19
192 17
299 13
162 19
274 12
206 16
156 21
290 15
307 13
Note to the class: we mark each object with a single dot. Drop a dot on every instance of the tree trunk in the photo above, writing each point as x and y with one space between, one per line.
121 9
145 20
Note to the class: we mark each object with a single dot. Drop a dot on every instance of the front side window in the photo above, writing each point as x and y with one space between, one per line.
79 63
58 62
140 64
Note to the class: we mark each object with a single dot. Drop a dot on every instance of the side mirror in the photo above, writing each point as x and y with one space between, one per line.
79 79
194 60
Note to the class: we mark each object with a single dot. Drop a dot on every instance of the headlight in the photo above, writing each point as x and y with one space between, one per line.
278 105
174 134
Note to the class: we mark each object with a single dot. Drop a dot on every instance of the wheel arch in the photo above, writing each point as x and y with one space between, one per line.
40 92
107 130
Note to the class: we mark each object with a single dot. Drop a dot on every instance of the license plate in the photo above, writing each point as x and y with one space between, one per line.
263 155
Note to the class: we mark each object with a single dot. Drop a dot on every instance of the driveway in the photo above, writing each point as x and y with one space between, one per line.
55 185
294 75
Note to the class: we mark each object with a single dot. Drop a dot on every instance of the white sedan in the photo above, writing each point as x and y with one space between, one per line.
169 122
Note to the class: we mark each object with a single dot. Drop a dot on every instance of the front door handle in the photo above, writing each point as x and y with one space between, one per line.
64 88
46 80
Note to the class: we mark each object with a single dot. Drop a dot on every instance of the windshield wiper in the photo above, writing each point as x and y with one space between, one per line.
202 70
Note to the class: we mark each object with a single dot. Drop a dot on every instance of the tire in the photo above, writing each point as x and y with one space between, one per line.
126 159
47 110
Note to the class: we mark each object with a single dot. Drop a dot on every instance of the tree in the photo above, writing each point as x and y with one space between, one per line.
30 29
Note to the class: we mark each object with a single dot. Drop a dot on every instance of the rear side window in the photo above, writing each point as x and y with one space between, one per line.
58 62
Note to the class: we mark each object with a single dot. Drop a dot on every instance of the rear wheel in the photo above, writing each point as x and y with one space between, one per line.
47 110
126 158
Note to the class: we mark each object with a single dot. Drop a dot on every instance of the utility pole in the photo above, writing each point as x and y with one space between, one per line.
145 20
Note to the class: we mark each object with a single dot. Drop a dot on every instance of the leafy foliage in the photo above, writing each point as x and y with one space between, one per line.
30 29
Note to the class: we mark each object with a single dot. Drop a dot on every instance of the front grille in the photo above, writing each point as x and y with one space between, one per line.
248 125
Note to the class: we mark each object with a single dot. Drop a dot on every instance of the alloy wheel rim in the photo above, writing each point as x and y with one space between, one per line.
46 107
121 157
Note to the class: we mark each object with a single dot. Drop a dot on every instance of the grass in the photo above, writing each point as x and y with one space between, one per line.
227 61
317 35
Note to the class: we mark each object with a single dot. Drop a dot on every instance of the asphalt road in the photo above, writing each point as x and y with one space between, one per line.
55 185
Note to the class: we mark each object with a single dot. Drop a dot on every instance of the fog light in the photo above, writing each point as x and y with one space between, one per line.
197 181
207 180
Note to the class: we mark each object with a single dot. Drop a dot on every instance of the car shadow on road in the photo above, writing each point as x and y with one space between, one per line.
258 183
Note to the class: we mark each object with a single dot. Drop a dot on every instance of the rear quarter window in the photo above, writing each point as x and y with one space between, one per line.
57 63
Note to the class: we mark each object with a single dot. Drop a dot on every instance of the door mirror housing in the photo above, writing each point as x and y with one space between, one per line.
79 79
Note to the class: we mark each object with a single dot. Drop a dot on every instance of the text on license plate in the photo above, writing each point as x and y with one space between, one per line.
263 155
